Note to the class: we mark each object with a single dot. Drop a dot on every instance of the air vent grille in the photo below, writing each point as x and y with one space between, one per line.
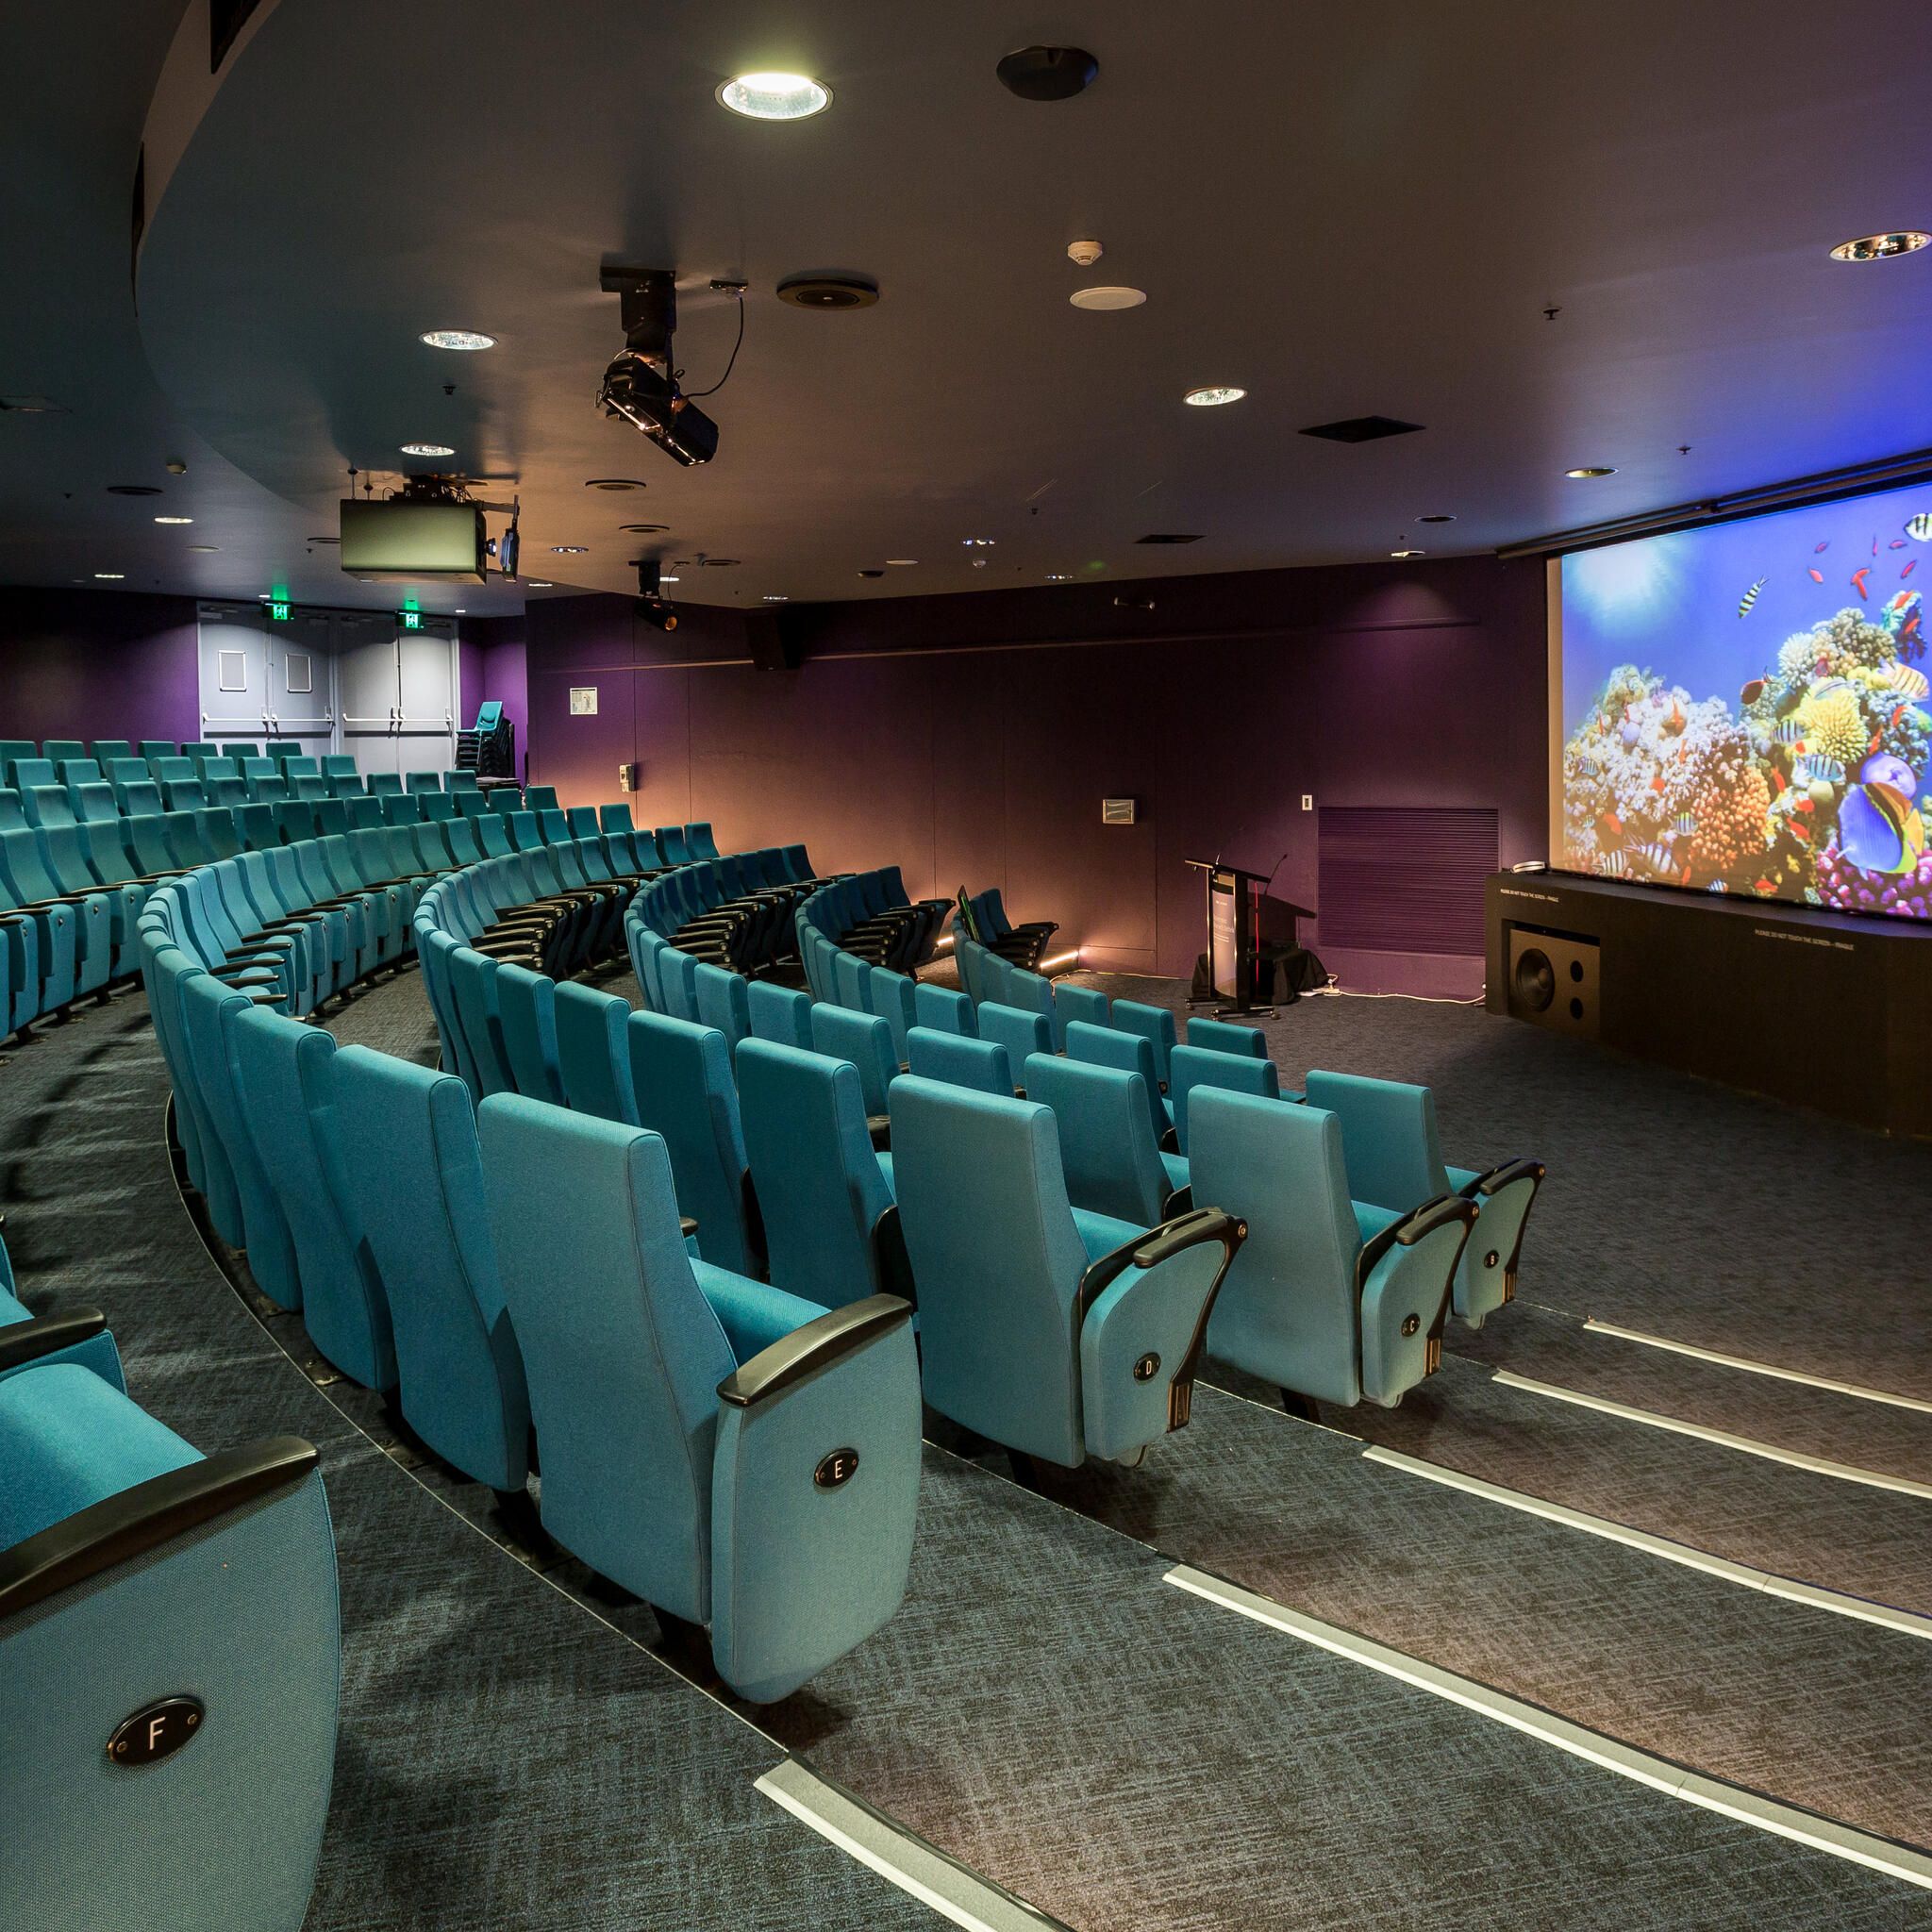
1401 880
1361 429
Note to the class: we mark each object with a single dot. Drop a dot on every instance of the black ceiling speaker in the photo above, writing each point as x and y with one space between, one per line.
1048 73
1362 429
828 291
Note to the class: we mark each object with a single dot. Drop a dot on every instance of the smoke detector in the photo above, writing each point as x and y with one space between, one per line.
1085 252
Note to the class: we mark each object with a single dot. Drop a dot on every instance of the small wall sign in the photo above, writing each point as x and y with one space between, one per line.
583 701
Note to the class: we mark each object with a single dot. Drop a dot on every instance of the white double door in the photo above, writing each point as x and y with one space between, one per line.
397 690
334 681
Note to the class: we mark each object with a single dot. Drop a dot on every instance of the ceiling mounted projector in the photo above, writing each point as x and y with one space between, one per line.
640 385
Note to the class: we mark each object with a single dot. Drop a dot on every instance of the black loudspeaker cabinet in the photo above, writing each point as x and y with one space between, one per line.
1554 979
1819 1008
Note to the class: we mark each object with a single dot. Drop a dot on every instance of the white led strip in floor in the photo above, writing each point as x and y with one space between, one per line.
1749 1445
952 1889
1767 1814
1907 1621
1592 1325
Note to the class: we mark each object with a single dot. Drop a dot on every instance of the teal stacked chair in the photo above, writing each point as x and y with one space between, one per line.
1394 1159
1058 1333
738 1458
1331 1299
413 1177
824 1196
170 1662
681 1075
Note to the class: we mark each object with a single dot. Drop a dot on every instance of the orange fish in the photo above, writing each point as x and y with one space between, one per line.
1777 779
1876 742
1752 691
1657 784
1910 567
1686 879
1816 577
1798 828
1806 804
1895 716
1613 824
1859 578
1765 885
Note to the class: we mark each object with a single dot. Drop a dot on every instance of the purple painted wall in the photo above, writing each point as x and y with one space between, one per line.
971 739
93 664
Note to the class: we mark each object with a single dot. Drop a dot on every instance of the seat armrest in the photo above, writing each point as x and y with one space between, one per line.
1506 1175
815 1346
21 1342
1157 1246
1413 1227
144 1517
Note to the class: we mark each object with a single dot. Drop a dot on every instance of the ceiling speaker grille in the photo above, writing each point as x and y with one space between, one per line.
1401 880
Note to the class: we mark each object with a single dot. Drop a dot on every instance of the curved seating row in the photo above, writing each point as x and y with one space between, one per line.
517 1274
868 919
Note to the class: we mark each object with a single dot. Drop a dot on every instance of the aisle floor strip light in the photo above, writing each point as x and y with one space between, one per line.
1753 1367
1749 1808
1749 1445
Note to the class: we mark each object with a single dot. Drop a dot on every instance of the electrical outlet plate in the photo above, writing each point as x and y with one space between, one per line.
1308 801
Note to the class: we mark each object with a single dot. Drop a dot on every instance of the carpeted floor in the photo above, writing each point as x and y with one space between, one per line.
1673 1204
1044 1708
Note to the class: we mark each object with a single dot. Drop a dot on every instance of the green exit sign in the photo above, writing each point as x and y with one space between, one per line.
412 620
278 613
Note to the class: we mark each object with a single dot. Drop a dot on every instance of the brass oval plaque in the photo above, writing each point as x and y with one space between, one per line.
836 1469
1410 1324
1146 1367
1491 1259
155 1732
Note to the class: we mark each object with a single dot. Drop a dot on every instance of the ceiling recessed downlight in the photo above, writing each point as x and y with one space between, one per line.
664 579
1108 298
771 597
206 549
568 549
1408 552
541 584
1591 470
1882 247
108 576
1213 396
901 562
173 520
612 483
467 339
774 96
427 449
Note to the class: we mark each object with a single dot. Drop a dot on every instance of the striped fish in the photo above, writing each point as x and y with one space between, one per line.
1749 598
1814 765
1908 681
1920 527
1789 731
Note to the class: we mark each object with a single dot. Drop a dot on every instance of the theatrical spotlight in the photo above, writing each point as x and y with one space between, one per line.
651 605
641 385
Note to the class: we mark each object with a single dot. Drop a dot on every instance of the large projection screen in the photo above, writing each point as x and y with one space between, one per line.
1743 707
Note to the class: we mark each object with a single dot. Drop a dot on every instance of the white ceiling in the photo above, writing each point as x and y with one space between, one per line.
1344 210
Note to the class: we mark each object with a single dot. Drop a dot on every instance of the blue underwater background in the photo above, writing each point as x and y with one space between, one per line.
1745 708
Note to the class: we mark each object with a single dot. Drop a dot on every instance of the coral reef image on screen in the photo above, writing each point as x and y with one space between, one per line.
1744 708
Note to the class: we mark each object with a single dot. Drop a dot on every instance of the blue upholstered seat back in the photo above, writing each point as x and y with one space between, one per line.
1223 1036
943 1010
415 1176
820 1188
1288 1309
1153 1023
1111 1157
682 1075
865 1040
527 1012
721 998
1126 1052
473 992
980 1065
622 1350
1019 1032
1189 1067
1388 1137
780 1012
998 1261
593 1053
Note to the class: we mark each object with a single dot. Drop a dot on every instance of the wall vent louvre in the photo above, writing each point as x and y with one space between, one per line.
1402 880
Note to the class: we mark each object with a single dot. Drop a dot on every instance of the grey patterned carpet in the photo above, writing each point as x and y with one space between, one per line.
1045 1707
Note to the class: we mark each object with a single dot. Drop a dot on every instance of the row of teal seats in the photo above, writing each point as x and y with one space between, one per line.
869 916
529 1280
161 1613
983 920
731 912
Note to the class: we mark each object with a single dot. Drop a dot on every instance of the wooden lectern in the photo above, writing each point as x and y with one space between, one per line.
1234 905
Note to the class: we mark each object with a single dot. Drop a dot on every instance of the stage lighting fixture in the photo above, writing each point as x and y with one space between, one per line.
653 607
640 385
